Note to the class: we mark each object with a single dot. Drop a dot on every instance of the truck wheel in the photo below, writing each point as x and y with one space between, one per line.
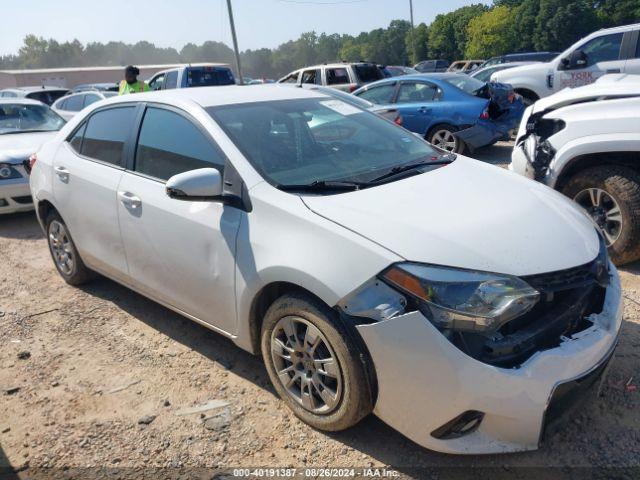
313 365
611 195
64 253
528 97
443 136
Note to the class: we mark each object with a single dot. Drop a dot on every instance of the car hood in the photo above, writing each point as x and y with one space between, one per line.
17 147
594 91
504 76
468 215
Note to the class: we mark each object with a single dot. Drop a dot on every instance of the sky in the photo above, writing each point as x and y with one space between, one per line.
174 23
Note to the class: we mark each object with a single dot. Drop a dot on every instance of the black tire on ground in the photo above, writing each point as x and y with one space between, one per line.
79 273
431 134
355 401
623 185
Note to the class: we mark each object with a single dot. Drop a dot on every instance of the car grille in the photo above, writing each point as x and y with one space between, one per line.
567 298
25 200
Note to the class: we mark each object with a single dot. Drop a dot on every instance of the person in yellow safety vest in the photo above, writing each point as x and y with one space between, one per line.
130 84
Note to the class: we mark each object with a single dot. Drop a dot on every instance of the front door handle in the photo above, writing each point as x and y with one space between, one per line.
128 199
613 70
63 173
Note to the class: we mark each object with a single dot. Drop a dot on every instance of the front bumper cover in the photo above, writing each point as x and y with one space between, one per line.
424 381
10 192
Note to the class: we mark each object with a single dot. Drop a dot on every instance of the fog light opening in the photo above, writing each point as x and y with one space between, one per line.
464 424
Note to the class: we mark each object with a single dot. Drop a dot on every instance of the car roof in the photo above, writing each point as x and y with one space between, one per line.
221 95
19 101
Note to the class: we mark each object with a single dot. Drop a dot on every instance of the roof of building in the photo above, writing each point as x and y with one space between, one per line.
106 68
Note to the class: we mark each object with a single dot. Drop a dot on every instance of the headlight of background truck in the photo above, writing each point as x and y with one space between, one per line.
463 299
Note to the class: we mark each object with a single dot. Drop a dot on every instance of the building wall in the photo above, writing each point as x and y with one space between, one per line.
70 78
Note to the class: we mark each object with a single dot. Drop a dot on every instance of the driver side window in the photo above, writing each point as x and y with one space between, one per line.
603 49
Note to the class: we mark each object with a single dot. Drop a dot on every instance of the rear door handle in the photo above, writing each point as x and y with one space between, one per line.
63 173
424 109
128 199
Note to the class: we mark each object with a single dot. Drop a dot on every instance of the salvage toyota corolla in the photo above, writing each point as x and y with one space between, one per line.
462 304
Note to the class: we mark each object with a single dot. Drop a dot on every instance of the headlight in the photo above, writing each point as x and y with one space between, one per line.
463 299
5 170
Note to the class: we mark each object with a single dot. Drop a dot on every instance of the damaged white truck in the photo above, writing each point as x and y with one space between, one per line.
585 143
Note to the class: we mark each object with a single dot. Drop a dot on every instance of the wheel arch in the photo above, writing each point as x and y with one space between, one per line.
527 92
582 162
274 290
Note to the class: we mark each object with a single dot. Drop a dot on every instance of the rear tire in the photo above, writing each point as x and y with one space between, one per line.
443 136
291 325
611 194
64 252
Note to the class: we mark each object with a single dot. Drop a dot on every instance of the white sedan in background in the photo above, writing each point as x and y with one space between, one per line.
24 126
353 256
68 106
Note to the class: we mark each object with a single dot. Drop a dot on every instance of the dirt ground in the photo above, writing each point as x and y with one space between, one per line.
99 377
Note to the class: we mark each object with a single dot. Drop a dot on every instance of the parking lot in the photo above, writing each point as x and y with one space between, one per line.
102 377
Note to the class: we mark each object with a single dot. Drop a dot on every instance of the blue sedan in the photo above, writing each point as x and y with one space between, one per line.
452 111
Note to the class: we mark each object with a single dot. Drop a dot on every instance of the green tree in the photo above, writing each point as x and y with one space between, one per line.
523 25
559 23
618 12
490 33
417 43
448 32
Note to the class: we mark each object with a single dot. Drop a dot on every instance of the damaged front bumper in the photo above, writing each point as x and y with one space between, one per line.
425 382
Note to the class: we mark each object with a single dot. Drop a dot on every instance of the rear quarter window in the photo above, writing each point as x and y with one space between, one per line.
368 73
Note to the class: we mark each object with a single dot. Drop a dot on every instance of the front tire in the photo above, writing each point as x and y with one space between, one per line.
313 365
64 252
611 195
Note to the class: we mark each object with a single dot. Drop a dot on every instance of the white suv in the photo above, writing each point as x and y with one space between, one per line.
585 142
350 253
614 50
343 76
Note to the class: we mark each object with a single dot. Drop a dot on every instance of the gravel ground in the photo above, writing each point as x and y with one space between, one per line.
99 376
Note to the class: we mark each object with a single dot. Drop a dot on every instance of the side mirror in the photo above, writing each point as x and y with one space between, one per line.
577 59
203 184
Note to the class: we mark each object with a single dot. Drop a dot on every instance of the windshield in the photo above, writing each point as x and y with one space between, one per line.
298 142
19 118
209 77
465 83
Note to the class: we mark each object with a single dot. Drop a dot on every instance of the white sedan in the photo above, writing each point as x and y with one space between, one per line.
462 304
68 106
24 126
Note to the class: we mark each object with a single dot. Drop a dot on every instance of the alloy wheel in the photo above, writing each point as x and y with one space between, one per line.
604 210
306 365
61 247
445 140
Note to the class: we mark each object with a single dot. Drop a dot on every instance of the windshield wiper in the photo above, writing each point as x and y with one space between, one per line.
323 185
13 132
401 169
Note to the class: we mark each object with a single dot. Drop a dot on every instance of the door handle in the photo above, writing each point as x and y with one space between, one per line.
613 70
128 199
424 109
63 173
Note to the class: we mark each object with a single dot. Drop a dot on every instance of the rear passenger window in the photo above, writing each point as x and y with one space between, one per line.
171 79
74 104
379 95
106 133
170 144
91 98
337 76
416 92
